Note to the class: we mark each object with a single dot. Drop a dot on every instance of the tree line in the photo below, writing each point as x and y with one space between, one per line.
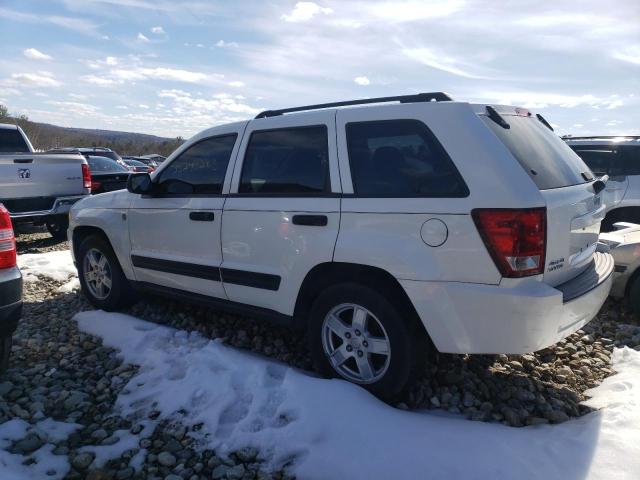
44 136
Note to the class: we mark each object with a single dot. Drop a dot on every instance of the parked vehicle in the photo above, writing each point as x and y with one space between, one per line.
624 242
136 166
383 230
10 287
39 188
106 175
158 159
618 157
95 151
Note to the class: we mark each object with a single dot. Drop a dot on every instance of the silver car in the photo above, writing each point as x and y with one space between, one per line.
624 245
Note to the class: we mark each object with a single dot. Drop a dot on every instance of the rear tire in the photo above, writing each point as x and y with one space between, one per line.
634 295
5 352
102 280
58 226
347 354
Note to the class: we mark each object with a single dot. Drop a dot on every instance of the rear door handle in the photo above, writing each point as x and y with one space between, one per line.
310 220
201 216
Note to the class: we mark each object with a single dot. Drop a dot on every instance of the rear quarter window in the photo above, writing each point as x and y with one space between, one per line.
11 141
546 158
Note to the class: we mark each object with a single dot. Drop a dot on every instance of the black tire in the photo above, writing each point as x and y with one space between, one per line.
634 295
121 294
5 352
58 226
408 346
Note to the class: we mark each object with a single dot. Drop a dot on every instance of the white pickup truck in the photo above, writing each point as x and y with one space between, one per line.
39 188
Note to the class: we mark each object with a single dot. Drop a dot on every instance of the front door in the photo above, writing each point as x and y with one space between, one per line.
175 233
282 215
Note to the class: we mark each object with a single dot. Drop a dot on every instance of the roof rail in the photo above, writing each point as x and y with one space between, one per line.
589 137
415 98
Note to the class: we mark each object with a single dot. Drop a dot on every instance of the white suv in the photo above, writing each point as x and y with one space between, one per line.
619 158
384 230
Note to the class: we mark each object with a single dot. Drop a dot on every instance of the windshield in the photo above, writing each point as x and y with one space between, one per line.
103 164
546 158
11 141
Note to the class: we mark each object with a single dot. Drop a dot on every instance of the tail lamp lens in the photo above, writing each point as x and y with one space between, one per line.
7 240
516 239
86 176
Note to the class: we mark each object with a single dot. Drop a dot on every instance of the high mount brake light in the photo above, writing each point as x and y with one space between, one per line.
86 176
515 238
7 240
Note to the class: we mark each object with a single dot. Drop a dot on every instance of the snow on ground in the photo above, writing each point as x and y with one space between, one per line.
56 265
46 465
333 429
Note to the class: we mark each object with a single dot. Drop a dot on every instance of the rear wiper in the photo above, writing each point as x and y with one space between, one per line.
544 121
496 117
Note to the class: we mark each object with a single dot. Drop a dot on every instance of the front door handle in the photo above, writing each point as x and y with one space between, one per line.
310 220
201 216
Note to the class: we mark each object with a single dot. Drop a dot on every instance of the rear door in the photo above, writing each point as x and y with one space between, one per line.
574 210
282 215
175 234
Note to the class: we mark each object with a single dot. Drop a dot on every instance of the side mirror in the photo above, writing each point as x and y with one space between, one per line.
140 183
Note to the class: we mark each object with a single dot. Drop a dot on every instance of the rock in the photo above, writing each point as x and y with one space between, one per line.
166 459
99 434
220 472
28 444
435 401
247 455
556 416
5 387
82 460
125 473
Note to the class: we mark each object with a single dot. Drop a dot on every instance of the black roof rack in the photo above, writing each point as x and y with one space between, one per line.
415 98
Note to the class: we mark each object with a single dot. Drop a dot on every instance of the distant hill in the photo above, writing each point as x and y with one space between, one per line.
44 136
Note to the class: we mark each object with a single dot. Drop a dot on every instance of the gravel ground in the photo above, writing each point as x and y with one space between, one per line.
61 373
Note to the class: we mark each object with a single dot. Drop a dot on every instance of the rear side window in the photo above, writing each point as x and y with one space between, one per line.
200 169
286 161
631 159
545 157
12 142
601 161
400 158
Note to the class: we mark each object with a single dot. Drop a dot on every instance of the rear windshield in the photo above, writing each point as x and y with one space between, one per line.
103 164
11 141
546 158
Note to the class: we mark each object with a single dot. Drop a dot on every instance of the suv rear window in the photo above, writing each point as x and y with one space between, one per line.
12 142
400 158
545 157
104 164
613 160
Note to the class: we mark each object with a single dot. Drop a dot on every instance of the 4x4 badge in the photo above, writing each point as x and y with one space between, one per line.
24 173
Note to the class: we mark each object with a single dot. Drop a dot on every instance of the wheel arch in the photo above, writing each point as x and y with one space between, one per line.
326 274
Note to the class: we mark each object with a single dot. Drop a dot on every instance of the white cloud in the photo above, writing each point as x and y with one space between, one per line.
442 62
122 107
223 44
111 61
236 83
96 80
34 54
629 55
142 37
158 30
539 100
411 11
304 11
82 109
362 80
143 106
38 79
80 25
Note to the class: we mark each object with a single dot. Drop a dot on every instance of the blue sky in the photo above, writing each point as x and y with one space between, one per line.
173 67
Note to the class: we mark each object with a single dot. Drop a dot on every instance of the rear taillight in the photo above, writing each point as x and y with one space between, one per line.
86 176
95 185
516 239
7 240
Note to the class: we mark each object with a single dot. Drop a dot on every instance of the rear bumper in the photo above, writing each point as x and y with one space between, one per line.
61 206
10 300
475 318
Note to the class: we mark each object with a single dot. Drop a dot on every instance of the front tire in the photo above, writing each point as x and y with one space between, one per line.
359 335
58 226
102 280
